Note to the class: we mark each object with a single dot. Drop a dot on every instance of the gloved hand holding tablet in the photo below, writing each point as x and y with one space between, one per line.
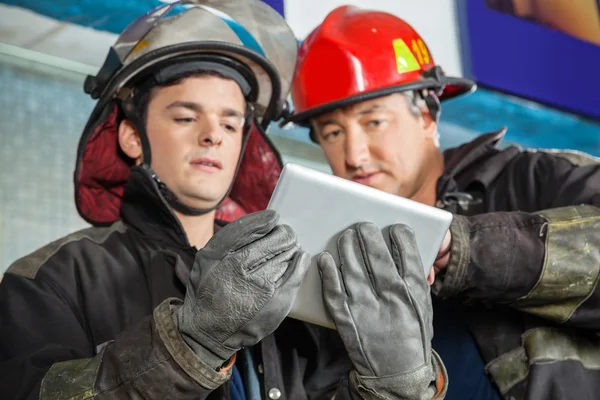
320 207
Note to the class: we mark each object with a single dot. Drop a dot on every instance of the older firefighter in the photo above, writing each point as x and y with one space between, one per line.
524 261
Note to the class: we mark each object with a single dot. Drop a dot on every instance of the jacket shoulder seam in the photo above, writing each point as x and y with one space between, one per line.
574 157
29 265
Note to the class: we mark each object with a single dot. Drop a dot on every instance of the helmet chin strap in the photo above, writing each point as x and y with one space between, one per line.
169 196
433 104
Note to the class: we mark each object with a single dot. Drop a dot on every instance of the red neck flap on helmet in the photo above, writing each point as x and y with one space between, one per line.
103 172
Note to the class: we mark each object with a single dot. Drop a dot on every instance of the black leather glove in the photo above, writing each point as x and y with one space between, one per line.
381 306
241 287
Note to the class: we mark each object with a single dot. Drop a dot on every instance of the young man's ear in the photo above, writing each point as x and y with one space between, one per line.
129 141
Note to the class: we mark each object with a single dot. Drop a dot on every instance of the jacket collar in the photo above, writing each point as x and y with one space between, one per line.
460 158
467 164
145 209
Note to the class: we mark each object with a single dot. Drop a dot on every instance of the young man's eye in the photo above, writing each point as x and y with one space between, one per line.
185 120
230 128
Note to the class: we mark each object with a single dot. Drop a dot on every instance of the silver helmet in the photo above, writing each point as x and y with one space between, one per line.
248 33
245 40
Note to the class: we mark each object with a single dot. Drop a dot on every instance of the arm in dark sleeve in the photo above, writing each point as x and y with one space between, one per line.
45 352
546 263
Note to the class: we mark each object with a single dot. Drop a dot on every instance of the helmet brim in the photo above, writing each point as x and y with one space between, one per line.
453 87
264 71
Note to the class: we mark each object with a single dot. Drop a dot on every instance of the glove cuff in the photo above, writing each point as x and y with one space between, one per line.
425 382
208 350
191 362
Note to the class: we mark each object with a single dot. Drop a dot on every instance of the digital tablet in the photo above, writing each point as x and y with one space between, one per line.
320 206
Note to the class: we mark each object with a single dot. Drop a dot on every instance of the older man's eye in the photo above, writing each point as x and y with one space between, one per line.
374 123
332 135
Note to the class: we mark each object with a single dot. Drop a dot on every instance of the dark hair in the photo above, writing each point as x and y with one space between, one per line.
146 88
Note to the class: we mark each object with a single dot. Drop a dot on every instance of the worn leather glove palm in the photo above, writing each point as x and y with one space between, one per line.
381 306
241 286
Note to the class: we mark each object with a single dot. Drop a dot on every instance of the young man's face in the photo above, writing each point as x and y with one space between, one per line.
380 143
195 132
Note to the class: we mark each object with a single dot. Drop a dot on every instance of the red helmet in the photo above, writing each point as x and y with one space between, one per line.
357 55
